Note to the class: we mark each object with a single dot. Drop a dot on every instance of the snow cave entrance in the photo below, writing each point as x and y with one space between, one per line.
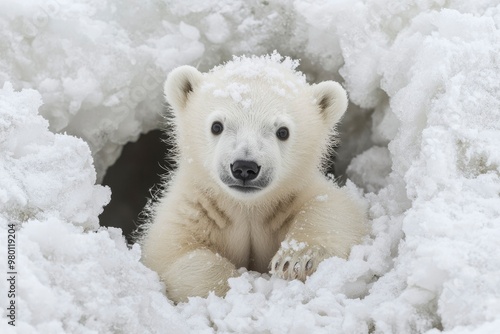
139 168
131 178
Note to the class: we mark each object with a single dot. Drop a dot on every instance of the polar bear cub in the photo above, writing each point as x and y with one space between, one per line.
248 190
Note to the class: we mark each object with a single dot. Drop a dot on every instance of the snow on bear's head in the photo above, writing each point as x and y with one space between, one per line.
252 127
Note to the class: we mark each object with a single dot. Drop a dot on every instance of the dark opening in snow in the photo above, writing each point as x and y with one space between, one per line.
131 177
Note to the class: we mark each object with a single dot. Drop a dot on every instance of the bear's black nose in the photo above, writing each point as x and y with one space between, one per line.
245 170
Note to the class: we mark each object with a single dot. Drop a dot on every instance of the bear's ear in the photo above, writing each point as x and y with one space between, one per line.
331 99
179 84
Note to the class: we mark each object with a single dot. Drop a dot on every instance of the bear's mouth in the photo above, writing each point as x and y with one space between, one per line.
245 186
245 189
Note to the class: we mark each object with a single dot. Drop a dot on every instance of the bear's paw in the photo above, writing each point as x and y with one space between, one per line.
297 260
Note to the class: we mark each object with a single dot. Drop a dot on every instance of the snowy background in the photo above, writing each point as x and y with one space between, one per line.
421 147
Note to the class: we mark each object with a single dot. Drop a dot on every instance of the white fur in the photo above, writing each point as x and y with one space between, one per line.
202 229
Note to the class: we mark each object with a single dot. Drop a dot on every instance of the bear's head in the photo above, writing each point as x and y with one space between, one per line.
253 126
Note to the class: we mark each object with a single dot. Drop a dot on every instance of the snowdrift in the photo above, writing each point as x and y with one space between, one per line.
420 147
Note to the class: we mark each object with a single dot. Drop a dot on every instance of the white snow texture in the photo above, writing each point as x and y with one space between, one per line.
421 146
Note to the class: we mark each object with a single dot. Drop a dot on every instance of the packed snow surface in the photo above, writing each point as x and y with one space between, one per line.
79 79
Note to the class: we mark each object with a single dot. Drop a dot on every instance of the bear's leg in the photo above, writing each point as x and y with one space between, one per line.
326 226
196 274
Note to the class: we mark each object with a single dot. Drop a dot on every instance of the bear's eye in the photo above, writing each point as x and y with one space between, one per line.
282 133
217 128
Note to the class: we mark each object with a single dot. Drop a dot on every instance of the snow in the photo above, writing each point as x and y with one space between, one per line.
234 90
242 68
322 198
423 78
293 244
44 175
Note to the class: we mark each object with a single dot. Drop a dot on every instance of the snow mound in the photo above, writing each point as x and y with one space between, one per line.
99 65
72 276
44 175
425 78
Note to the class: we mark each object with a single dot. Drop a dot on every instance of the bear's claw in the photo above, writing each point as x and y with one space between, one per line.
289 263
